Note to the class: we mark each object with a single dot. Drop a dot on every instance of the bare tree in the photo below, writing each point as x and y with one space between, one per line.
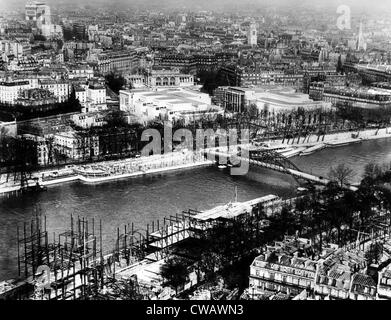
127 289
372 171
50 148
374 253
175 272
253 111
341 174
3 132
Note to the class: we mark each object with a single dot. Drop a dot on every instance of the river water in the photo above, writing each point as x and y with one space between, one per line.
141 200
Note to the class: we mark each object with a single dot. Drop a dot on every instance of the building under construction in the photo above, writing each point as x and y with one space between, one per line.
72 264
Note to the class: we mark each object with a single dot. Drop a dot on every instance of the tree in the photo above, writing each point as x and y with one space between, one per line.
340 65
351 206
302 205
50 147
115 81
366 200
175 272
209 263
372 171
39 37
59 157
284 222
317 217
253 111
3 133
72 96
209 80
374 253
347 112
341 174
127 289
116 119
335 217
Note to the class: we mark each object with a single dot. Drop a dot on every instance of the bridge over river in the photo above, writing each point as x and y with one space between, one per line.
265 158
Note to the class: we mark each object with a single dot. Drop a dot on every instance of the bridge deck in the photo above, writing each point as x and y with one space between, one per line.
293 172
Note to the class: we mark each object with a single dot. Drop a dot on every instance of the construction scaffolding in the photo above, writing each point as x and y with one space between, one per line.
71 267
33 246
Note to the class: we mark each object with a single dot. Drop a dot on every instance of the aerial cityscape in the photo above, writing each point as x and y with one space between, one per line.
210 150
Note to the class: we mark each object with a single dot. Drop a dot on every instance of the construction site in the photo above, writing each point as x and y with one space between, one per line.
71 265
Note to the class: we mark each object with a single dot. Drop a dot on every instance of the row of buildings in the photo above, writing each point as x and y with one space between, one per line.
13 90
291 269
163 56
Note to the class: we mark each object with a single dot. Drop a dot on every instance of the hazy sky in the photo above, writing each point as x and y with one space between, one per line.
215 4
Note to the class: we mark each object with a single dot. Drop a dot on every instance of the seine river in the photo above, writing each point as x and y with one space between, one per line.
141 200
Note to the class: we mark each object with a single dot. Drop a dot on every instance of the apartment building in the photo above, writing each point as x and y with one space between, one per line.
16 48
42 148
361 97
250 77
75 146
80 71
384 284
89 119
292 268
282 273
96 94
10 90
81 95
60 88
117 61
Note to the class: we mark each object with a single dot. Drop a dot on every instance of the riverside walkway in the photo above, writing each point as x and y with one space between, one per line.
111 170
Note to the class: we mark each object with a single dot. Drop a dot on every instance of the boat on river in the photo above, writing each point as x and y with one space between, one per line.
340 143
34 188
313 149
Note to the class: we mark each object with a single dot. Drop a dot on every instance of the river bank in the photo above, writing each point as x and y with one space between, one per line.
312 140
128 168
147 198
113 170
304 146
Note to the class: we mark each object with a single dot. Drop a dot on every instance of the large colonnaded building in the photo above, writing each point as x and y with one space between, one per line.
161 78
168 104
275 99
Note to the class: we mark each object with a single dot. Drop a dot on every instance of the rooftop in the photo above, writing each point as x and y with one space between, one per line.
232 210
173 95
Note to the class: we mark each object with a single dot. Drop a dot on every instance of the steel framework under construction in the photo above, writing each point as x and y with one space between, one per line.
72 265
